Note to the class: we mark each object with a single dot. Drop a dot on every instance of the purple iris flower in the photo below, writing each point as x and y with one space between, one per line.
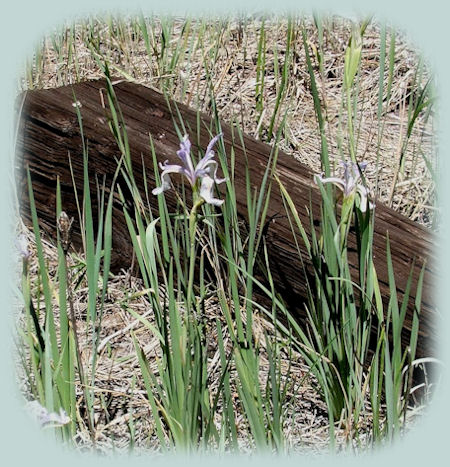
205 171
22 246
349 185
46 418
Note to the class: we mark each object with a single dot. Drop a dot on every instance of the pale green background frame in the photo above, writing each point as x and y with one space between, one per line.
23 22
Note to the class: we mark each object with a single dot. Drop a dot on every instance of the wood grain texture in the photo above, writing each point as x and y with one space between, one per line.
50 131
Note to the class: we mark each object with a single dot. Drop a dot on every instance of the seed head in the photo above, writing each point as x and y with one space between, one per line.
65 230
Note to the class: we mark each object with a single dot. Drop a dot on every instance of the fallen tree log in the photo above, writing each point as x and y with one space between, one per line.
50 131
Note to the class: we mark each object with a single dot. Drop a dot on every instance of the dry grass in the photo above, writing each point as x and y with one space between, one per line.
233 71
121 394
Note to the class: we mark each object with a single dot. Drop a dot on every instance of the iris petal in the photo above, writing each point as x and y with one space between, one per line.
339 182
210 170
209 154
206 191
165 178
184 153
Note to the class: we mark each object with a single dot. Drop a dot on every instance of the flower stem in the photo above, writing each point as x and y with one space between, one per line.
346 217
192 227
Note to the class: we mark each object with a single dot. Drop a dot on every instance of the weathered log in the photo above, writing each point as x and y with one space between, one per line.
50 131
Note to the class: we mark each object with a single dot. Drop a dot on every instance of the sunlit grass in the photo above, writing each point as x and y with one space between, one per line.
177 249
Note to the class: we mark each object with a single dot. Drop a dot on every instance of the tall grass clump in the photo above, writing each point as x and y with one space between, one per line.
346 315
181 255
52 356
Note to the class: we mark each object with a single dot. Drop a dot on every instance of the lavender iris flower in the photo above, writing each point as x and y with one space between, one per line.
205 171
46 418
22 246
349 185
